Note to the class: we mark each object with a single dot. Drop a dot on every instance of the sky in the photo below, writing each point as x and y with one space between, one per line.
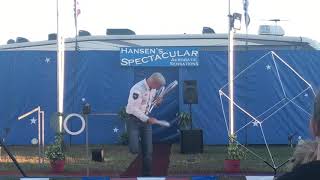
35 19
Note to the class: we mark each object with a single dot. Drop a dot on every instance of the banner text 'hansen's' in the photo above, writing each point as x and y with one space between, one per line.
159 56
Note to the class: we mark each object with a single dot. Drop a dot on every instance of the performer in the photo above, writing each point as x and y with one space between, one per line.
139 124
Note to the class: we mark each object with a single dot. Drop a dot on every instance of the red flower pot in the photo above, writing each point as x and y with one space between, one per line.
57 166
232 166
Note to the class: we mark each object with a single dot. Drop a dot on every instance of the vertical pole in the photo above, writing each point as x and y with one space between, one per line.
247 48
87 141
190 111
58 54
57 4
39 135
42 138
230 72
60 68
76 40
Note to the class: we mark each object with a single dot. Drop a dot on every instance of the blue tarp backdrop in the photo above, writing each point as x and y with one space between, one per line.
28 80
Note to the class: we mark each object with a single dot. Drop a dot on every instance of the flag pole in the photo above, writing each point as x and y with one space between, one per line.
247 19
77 49
247 48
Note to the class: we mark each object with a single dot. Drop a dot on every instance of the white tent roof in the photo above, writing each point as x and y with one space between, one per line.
205 41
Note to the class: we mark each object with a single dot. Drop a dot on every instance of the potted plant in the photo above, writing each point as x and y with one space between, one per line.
55 154
124 116
234 154
185 120
124 138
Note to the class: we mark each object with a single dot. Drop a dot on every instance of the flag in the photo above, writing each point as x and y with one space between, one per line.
77 12
246 14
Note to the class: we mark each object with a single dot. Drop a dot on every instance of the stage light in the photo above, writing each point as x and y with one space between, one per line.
236 21
86 109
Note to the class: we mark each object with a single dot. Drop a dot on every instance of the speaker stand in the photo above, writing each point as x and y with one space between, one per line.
190 112
275 169
12 158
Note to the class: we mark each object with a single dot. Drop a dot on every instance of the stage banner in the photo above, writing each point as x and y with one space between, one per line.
159 56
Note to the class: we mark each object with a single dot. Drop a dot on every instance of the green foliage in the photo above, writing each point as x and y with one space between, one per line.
234 150
55 151
185 120
123 114
124 138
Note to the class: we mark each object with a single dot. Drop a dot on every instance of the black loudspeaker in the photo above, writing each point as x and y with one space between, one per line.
190 93
191 141
97 155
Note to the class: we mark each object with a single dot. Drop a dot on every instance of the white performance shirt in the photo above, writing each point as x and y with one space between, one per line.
140 99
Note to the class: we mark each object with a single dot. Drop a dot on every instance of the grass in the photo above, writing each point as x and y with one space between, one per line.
116 159
212 160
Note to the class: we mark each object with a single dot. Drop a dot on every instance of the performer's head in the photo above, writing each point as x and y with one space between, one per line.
315 121
156 81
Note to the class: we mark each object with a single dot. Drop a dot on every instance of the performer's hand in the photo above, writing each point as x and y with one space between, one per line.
159 101
152 120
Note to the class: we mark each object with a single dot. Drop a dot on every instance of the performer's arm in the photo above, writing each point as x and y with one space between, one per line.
157 100
134 103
